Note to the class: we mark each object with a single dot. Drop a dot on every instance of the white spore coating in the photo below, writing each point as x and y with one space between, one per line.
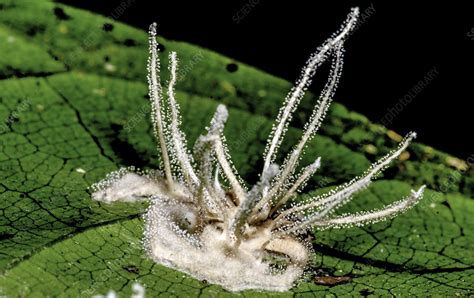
203 220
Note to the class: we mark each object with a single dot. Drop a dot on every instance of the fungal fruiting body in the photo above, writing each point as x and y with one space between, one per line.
204 221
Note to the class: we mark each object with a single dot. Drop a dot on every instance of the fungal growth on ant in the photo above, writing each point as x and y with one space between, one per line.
204 221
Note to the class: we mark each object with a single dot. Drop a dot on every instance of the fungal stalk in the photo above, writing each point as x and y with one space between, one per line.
204 221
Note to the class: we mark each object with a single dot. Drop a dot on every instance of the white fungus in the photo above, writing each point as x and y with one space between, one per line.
203 221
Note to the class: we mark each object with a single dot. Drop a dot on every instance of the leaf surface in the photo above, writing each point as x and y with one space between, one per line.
74 107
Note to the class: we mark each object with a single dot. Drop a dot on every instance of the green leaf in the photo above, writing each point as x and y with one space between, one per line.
73 106
15 48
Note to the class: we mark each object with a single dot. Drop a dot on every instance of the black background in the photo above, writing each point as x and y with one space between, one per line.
394 48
